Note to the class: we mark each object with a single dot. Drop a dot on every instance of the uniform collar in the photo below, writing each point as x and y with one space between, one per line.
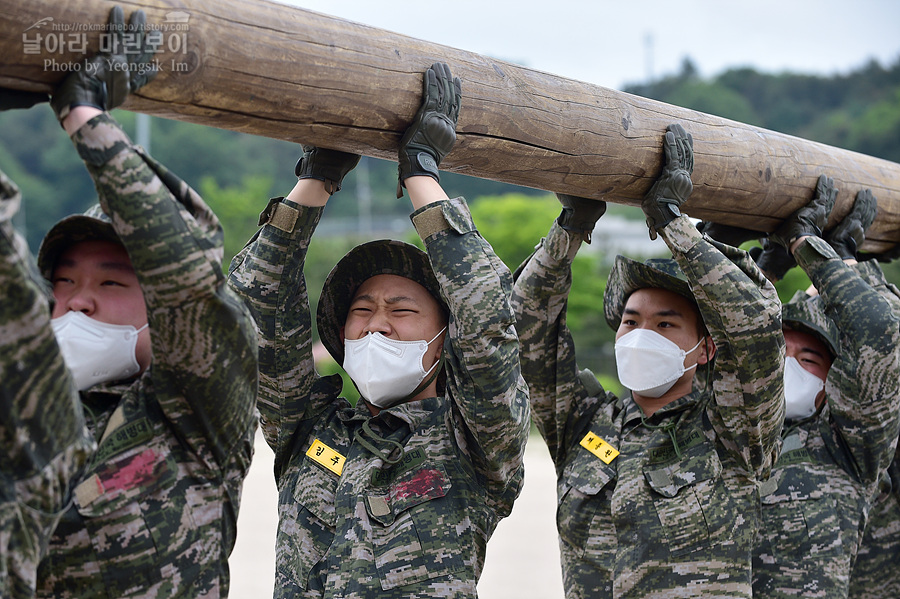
633 412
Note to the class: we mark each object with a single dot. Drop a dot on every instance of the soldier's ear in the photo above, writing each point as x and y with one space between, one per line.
708 350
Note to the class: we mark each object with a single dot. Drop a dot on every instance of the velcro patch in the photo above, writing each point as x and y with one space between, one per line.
123 438
666 453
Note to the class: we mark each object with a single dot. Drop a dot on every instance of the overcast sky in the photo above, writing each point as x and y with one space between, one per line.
616 42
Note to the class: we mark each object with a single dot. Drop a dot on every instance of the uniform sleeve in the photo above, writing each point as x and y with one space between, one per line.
43 439
863 384
268 276
484 377
742 312
204 344
872 274
539 299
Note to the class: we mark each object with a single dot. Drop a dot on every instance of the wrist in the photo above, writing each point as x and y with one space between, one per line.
423 190
309 192
77 117
794 244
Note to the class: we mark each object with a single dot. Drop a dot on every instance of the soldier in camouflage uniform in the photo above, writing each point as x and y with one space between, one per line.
43 440
155 514
841 347
397 496
657 490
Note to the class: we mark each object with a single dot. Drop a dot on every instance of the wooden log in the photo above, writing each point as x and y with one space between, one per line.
269 69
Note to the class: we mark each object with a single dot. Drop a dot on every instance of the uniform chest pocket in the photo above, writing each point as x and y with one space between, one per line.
416 527
306 519
121 504
694 507
583 516
799 516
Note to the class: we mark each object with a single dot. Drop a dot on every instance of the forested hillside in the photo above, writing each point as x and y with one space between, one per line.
859 111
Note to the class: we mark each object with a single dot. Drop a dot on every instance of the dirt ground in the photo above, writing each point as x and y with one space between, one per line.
522 558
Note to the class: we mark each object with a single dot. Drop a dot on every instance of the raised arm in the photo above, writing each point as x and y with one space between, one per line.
559 396
268 276
740 308
863 384
204 348
44 444
484 378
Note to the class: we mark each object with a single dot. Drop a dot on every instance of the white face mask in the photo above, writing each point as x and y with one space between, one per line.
95 351
648 363
800 390
384 370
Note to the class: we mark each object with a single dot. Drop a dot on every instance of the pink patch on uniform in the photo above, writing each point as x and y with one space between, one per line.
138 471
426 483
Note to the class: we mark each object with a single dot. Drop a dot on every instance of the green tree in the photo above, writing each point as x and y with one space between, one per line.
237 207
514 223
713 98
37 154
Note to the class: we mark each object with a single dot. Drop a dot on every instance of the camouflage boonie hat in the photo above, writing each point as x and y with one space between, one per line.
627 276
382 257
93 225
806 314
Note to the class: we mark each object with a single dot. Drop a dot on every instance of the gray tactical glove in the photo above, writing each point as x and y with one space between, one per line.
579 215
432 133
772 259
105 80
850 233
674 186
733 236
810 219
11 99
330 166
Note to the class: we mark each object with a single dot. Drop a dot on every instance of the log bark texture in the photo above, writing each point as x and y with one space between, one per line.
270 69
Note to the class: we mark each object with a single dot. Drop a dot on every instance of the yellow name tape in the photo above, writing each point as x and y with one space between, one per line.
326 456
599 448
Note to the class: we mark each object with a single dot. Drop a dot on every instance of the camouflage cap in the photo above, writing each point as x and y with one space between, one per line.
382 257
807 315
93 225
627 276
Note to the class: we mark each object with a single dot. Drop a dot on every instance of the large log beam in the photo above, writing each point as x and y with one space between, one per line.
278 71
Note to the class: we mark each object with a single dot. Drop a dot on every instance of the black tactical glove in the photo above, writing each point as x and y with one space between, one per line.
330 166
733 236
579 215
105 80
850 233
810 219
432 133
772 259
674 186
10 99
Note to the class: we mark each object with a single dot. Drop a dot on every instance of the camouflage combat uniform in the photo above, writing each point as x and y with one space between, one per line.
876 572
815 503
156 513
650 520
352 526
43 441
